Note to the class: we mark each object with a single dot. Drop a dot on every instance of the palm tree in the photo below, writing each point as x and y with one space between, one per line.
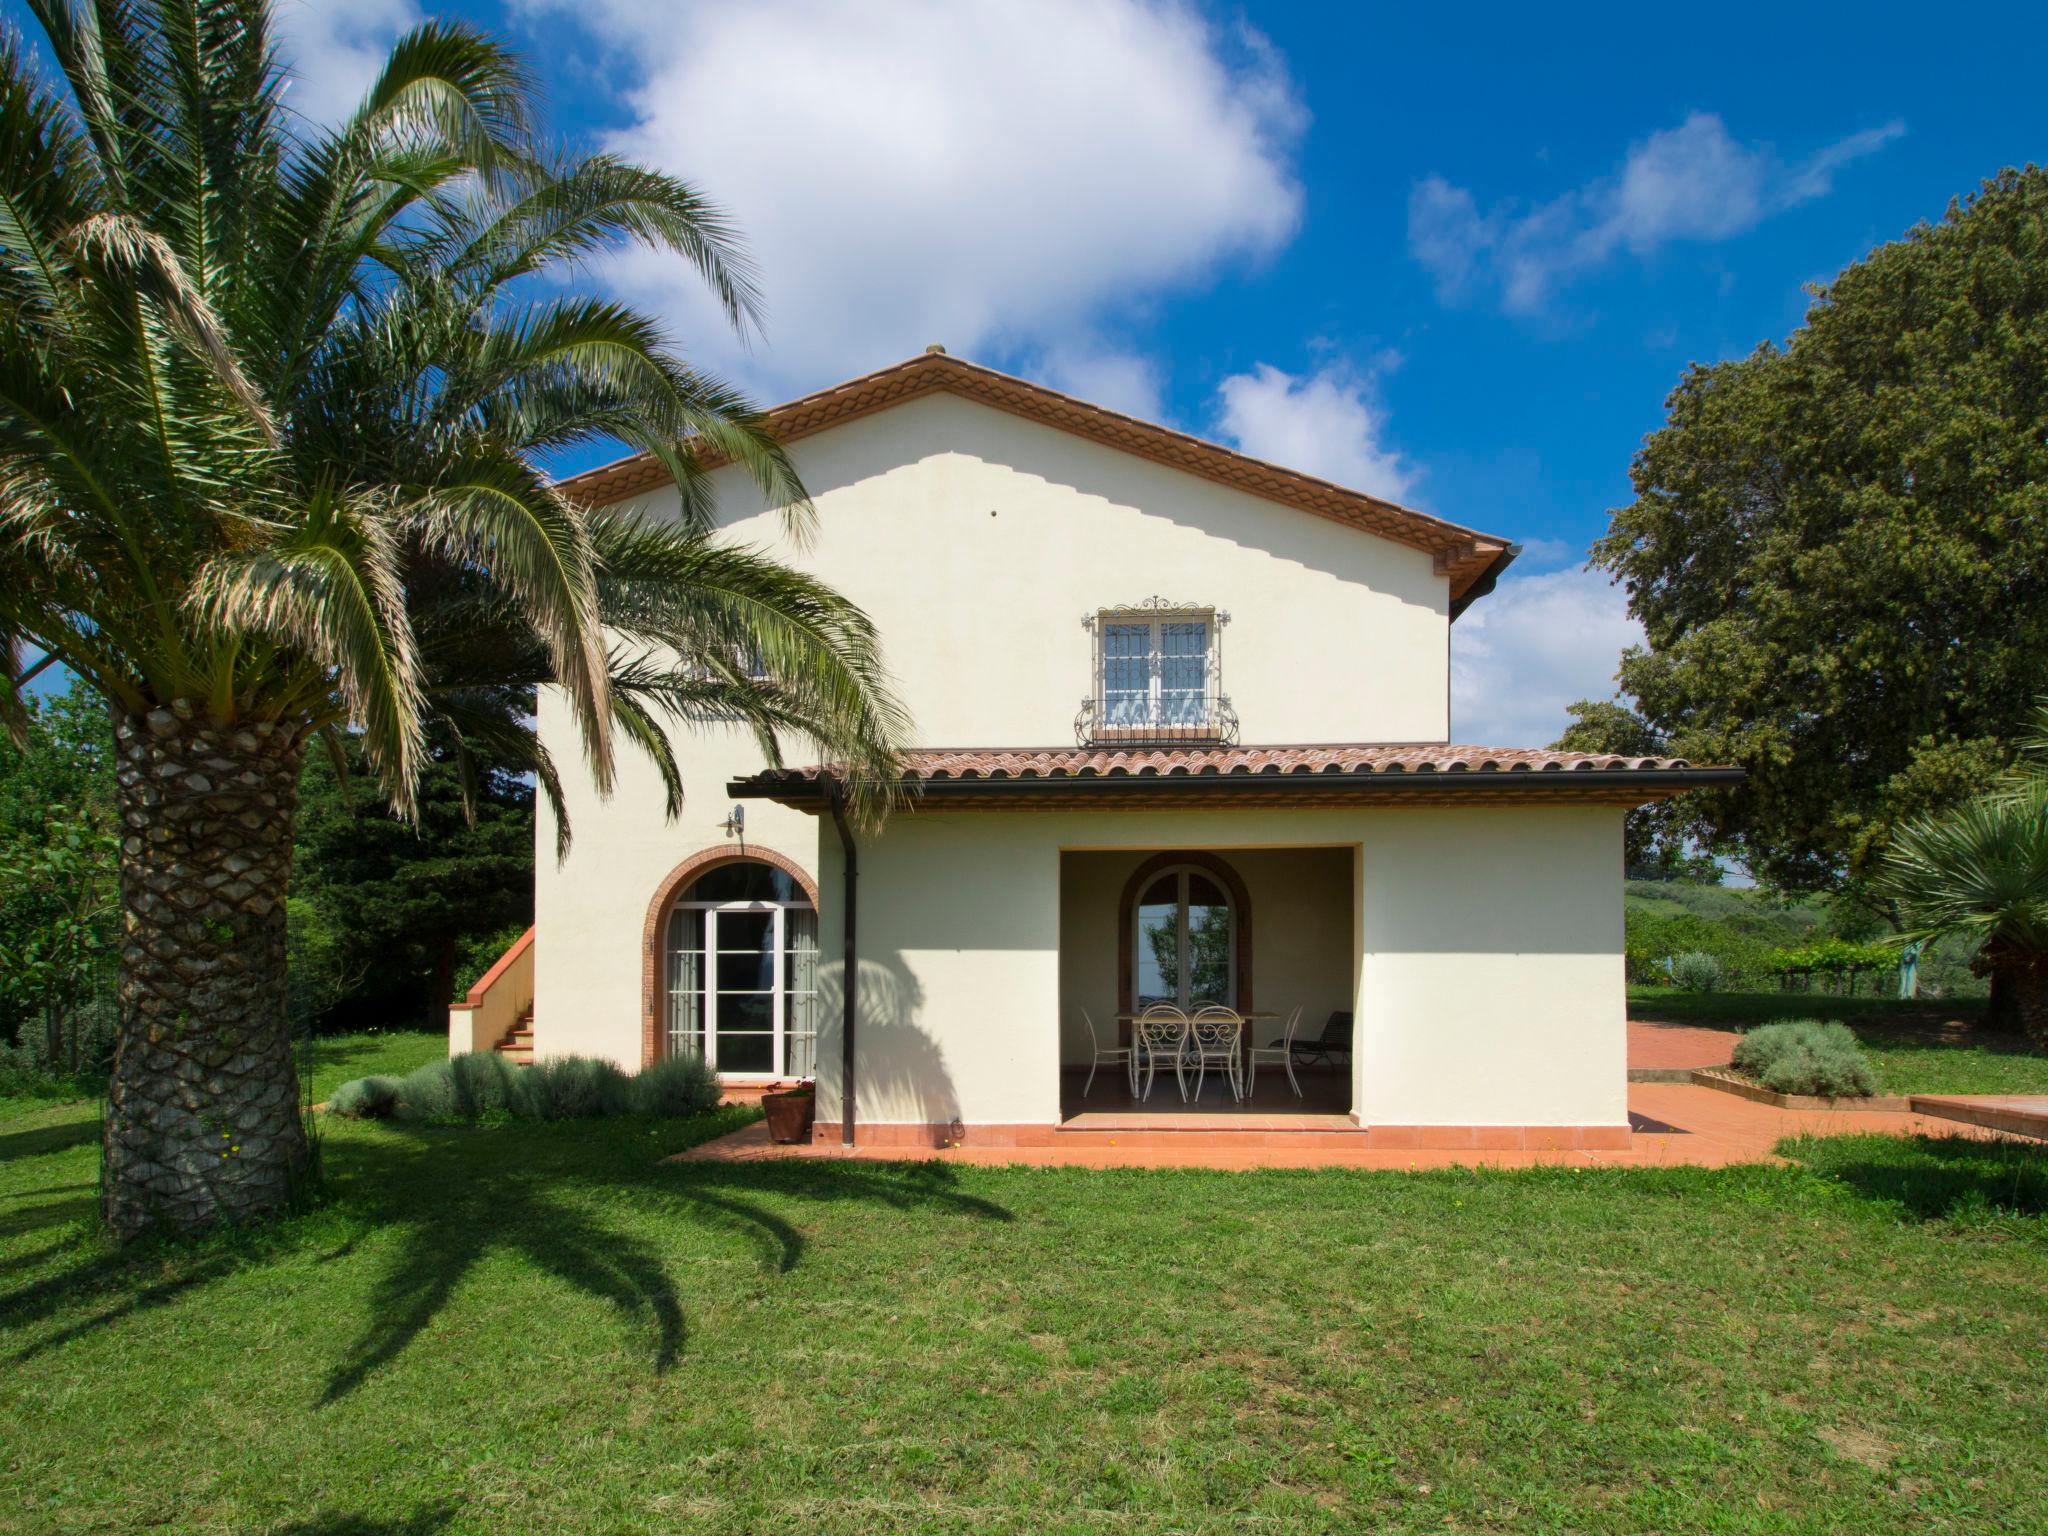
1981 870
274 402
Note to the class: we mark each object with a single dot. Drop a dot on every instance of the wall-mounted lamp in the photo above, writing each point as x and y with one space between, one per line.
736 823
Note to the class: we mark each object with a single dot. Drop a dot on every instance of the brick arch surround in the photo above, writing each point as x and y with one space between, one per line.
1241 907
671 886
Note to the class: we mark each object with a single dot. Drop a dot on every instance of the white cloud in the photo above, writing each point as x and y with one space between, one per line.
1123 381
1533 646
1692 182
1010 179
1325 423
337 49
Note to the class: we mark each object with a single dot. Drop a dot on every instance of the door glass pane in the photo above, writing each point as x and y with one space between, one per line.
685 1013
745 932
800 993
1208 951
745 1053
1158 944
744 881
746 973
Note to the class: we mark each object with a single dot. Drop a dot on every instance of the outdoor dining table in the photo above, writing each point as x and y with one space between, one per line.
1254 1016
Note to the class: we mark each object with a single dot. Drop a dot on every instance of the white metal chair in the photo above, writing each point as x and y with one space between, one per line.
1278 1054
1108 1055
1161 1033
1214 1035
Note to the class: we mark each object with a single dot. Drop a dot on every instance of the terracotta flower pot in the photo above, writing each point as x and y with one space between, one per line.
790 1114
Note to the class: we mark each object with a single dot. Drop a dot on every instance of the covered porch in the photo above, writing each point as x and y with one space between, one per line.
1269 933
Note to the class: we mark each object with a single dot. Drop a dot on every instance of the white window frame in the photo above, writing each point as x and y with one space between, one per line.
1156 619
707 990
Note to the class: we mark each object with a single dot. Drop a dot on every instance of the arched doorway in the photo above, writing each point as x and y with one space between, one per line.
1181 949
739 971
1185 934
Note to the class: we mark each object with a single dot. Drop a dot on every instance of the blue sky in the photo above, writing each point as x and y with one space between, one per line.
1449 254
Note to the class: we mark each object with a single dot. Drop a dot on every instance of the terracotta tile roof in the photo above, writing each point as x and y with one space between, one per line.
1383 770
934 763
1469 558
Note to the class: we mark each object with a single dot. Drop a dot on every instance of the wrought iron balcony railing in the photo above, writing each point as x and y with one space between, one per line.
1142 720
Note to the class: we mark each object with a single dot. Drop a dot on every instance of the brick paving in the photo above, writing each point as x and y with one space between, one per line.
1678 1124
1668 1046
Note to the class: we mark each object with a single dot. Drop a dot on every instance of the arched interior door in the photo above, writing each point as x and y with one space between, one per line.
1184 948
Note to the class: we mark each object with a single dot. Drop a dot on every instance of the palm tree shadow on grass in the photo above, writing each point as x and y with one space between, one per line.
530 1205
458 1194
1934 1178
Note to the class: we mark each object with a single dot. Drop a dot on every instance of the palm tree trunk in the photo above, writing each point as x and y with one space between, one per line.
2026 988
203 1115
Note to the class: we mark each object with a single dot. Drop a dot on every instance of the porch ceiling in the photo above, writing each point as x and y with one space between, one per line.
1076 777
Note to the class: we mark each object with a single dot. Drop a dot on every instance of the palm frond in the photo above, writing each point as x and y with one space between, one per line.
329 588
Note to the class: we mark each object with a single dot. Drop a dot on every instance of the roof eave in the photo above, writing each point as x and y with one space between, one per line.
1595 786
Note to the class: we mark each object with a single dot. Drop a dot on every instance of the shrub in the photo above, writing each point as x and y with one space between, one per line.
576 1088
482 1084
365 1098
427 1093
681 1085
1806 1056
1696 971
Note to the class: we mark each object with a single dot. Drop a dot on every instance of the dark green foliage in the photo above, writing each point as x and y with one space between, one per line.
480 951
1806 1056
408 902
1660 841
483 1085
59 916
1839 548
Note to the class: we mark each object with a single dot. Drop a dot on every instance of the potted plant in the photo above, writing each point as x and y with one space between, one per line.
790 1113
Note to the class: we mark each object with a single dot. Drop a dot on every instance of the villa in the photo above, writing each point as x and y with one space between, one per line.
1184 726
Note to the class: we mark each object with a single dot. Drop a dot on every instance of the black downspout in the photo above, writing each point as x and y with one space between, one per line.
849 986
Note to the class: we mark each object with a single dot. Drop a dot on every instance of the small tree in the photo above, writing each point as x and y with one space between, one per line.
1982 871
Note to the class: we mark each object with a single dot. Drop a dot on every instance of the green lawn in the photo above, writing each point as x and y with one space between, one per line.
375 1053
548 1329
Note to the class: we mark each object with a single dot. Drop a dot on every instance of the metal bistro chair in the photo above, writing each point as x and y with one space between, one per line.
1161 1033
1278 1054
1124 1056
1213 1039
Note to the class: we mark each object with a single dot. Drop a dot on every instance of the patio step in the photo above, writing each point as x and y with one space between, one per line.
1109 1129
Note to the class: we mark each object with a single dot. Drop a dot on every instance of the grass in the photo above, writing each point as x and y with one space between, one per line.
1914 1047
547 1328
382 1052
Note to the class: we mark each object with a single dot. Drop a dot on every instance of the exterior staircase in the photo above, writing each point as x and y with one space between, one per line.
517 1047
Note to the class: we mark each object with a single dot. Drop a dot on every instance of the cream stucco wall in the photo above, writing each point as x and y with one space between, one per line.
977 541
1485 946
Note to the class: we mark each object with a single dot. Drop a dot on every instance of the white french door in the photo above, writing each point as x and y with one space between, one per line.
743 987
